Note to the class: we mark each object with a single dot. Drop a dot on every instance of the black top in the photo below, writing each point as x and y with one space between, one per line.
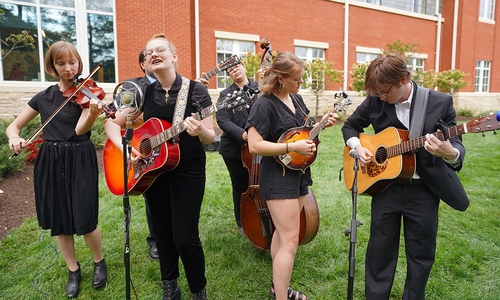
62 126
233 124
155 107
271 118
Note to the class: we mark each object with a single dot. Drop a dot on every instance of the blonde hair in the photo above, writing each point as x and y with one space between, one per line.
57 51
285 64
170 45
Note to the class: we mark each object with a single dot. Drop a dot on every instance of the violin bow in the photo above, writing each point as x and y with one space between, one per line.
37 132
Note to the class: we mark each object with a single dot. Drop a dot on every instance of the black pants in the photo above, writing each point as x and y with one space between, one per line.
175 200
151 239
418 207
239 181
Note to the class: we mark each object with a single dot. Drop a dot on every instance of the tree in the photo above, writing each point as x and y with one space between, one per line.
401 48
24 39
450 81
358 77
426 79
318 74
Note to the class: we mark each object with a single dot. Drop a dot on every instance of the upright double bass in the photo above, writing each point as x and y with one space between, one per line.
255 217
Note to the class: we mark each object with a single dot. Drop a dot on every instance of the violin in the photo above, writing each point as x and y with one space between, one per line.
86 91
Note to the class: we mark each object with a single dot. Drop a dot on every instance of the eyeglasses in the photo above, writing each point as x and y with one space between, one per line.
158 50
384 94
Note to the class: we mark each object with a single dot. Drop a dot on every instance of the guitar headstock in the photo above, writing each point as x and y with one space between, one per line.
230 62
238 98
342 100
483 124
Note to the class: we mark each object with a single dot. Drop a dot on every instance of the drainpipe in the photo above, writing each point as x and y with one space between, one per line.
346 43
197 35
455 25
438 37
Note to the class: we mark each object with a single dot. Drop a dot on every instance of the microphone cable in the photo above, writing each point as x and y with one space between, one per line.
35 280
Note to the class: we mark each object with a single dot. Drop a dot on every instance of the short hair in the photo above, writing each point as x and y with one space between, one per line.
285 64
58 50
142 58
385 70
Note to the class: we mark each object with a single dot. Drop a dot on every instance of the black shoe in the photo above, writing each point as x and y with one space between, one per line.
153 253
73 285
100 274
171 290
201 295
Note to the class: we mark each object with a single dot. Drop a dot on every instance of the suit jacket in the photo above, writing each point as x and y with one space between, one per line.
437 175
233 124
142 82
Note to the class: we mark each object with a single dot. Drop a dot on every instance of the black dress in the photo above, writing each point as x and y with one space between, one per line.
271 118
66 172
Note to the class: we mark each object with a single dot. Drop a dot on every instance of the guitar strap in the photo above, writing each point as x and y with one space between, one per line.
310 120
180 105
419 111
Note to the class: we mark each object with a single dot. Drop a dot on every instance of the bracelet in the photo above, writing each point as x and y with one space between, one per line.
14 137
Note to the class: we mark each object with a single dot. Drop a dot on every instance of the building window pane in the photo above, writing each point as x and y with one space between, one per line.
57 19
309 54
415 64
482 76
486 9
21 64
418 6
101 46
226 49
365 58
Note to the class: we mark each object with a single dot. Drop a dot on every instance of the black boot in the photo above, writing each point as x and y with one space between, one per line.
100 274
73 285
201 295
171 290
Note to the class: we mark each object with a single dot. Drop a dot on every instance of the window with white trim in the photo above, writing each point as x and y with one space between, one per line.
226 49
371 1
415 64
482 82
418 6
365 58
486 9
309 54
93 36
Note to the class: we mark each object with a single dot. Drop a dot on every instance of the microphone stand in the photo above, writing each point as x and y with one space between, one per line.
129 133
353 232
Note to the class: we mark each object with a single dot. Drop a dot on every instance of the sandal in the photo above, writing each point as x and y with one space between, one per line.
292 294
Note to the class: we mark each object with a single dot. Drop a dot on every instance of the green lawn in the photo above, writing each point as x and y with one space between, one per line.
467 262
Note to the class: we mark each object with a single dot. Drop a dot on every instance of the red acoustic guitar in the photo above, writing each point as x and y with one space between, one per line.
158 153
297 161
393 158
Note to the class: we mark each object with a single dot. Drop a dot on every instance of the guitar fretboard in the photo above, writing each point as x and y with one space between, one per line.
176 129
417 143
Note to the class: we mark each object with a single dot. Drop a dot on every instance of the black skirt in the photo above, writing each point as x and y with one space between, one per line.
66 180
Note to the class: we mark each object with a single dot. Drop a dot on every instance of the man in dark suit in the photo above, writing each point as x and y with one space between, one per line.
143 82
391 101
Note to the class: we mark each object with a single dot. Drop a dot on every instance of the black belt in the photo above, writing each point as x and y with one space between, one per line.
410 181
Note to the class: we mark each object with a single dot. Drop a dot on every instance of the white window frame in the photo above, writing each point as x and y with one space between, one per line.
310 46
482 78
235 38
487 11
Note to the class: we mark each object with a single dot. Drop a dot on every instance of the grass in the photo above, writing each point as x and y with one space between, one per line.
467 260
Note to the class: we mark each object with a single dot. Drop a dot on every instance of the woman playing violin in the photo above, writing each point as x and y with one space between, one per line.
283 189
66 172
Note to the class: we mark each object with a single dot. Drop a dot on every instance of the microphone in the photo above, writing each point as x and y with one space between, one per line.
353 154
127 98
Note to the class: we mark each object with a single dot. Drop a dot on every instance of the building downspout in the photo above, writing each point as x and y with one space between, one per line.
346 43
454 46
438 38
197 35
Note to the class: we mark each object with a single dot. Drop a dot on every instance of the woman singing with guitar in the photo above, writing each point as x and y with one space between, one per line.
175 196
283 189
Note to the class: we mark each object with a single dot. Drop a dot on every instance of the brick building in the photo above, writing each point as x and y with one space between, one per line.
451 34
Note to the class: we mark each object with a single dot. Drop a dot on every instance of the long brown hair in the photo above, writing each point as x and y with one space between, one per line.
285 64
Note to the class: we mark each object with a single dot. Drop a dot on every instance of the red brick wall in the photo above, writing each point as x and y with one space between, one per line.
283 21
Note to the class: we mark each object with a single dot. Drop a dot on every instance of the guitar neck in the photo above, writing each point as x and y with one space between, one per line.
317 129
176 129
211 73
417 143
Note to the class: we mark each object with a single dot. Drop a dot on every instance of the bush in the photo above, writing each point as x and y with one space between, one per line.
98 136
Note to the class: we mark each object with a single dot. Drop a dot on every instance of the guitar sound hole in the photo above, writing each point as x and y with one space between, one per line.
380 155
145 147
